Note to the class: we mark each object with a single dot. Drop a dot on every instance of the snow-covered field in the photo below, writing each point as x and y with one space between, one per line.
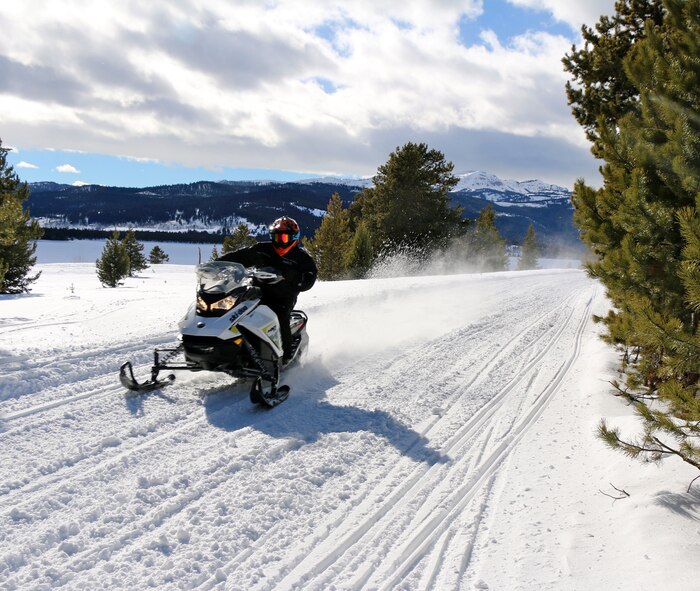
439 435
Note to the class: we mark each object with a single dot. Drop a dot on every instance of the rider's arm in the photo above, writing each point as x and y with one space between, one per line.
308 272
245 256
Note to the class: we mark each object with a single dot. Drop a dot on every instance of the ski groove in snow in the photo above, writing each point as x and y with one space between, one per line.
418 542
330 552
375 474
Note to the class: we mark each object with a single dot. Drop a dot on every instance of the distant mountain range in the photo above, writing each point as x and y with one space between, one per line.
217 207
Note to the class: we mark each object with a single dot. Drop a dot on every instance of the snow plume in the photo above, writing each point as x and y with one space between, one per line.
399 261
379 317
406 261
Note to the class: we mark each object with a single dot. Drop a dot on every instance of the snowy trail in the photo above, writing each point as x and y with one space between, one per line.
380 472
418 495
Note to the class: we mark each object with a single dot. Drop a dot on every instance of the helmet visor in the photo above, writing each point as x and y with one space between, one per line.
283 237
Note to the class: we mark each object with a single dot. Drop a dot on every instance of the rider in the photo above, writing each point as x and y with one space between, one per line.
291 261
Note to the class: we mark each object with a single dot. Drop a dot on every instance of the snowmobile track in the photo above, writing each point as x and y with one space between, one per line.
319 564
421 540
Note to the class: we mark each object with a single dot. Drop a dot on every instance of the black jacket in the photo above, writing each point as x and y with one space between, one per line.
297 267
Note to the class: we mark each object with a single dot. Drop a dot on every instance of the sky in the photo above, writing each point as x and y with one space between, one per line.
138 94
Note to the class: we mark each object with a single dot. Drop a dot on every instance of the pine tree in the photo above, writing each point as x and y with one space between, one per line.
18 232
643 225
331 244
113 265
134 250
239 238
157 256
486 248
361 252
409 202
601 92
529 251
214 254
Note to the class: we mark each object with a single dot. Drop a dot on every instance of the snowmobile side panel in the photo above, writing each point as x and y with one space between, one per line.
263 323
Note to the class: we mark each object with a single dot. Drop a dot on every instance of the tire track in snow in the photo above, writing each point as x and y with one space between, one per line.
69 369
319 561
463 439
146 531
216 473
421 539
322 561
108 452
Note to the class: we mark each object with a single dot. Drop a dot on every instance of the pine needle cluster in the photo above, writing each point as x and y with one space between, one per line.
643 225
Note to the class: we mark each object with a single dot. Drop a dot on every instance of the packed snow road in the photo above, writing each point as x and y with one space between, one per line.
383 470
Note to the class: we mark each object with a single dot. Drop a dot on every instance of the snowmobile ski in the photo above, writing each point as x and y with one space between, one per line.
126 377
272 398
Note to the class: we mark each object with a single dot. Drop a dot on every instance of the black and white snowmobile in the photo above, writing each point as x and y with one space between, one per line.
228 330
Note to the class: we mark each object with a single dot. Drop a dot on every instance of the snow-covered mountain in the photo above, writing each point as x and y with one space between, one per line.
216 207
490 187
476 183
358 183
479 184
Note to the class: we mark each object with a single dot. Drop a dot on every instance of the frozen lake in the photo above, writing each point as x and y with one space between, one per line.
186 253
88 251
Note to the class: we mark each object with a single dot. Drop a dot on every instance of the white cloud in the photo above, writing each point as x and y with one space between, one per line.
573 12
67 168
222 83
24 164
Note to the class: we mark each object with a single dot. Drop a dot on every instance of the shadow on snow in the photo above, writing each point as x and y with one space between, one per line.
307 416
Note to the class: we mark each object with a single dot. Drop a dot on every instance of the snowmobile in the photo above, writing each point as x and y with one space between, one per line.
228 330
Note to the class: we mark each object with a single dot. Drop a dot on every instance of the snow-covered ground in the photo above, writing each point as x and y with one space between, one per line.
439 435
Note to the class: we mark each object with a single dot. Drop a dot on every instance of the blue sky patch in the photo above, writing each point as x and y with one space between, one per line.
509 21
329 87
329 32
126 172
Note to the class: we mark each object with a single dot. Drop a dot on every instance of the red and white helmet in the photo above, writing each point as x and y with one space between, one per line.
284 233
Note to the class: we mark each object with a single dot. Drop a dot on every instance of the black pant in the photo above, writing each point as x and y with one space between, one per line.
283 309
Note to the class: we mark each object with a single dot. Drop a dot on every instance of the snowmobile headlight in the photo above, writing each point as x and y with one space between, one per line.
224 305
202 306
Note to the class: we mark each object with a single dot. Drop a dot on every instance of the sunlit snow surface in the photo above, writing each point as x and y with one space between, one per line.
439 435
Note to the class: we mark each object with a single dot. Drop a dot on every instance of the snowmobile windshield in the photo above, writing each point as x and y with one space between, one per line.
219 276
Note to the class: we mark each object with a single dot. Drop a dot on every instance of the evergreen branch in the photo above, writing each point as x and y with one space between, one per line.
671 336
626 393
672 451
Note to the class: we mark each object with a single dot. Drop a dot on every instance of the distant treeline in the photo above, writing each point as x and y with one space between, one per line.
144 235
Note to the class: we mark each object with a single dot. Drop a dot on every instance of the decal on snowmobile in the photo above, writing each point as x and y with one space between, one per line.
272 330
238 313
